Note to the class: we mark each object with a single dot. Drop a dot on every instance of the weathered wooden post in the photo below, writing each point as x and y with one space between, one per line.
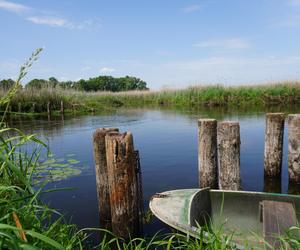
102 176
62 110
19 108
48 108
273 144
123 186
207 153
228 133
33 107
294 148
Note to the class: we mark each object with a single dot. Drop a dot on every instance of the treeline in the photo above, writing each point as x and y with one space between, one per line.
100 83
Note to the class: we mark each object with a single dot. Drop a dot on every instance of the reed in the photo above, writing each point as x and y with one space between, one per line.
280 93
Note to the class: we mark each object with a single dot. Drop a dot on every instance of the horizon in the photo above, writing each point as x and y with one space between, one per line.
170 44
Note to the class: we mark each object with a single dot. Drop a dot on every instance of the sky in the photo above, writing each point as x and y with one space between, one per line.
167 43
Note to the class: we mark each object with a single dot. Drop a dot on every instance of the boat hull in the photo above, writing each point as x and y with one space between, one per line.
238 213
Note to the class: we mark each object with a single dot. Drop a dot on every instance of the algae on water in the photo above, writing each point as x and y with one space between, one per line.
59 169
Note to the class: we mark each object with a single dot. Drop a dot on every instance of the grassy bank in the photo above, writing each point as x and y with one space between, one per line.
28 100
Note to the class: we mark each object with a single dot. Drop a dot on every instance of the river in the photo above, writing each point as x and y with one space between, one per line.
167 141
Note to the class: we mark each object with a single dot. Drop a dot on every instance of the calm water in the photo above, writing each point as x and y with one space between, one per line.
167 141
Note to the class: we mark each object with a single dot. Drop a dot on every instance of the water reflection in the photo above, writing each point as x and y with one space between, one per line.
272 185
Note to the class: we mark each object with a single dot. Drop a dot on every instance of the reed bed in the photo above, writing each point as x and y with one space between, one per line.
280 93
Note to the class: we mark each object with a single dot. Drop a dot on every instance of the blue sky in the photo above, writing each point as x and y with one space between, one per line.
167 43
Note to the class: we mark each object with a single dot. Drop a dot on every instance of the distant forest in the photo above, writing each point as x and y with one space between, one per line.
100 83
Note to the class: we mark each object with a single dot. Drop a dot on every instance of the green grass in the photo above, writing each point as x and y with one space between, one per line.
218 95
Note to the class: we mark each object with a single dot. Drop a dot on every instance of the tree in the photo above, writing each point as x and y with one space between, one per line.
6 84
37 84
53 82
99 83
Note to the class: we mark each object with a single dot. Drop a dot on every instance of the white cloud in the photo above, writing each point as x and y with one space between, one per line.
51 21
107 70
191 8
38 17
63 22
232 43
14 7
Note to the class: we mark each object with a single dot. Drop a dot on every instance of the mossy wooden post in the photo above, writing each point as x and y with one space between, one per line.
62 110
207 153
294 148
102 176
228 134
19 108
123 186
273 144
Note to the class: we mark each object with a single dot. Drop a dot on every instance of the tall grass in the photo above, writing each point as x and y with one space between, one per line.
218 95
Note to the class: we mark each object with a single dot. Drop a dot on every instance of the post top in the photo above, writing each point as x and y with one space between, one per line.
275 114
119 136
229 123
294 115
211 121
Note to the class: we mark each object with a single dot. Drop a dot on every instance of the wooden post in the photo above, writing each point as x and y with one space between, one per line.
102 176
123 186
19 107
273 144
33 107
48 108
228 134
294 148
207 153
62 110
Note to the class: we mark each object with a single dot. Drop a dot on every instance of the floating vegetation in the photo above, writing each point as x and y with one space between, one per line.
58 169
73 161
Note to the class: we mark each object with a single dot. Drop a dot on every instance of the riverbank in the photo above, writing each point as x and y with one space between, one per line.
37 101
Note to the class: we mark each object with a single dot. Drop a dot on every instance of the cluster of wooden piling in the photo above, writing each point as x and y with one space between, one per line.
219 151
274 146
117 182
219 154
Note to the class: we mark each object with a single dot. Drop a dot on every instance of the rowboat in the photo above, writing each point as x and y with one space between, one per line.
251 218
